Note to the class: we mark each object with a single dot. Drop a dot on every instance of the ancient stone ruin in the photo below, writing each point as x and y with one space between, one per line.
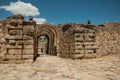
24 41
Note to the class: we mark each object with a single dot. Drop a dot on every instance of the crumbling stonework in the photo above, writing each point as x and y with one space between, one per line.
108 38
66 42
19 40
78 41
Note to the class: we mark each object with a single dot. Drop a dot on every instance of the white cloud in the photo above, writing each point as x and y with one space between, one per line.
39 20
26 9
23 8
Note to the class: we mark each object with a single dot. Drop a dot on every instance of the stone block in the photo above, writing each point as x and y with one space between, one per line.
28 46
14 51
13 57
28 51
27 56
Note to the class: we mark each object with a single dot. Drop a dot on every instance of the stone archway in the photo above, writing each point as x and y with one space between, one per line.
49 31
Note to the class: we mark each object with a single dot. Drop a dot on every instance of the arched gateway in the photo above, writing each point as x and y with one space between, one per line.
19 40
50 32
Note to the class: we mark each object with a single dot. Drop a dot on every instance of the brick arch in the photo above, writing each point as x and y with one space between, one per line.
48 28
50 31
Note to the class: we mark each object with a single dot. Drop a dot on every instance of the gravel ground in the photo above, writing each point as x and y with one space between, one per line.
55 68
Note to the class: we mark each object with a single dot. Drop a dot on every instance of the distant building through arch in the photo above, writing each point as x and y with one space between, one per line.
50 32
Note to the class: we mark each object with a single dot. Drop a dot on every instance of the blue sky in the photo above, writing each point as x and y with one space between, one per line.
72 11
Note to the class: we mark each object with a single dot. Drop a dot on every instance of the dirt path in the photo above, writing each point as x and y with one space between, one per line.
55 68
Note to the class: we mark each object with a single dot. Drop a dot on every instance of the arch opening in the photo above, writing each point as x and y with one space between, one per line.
43 45
45 40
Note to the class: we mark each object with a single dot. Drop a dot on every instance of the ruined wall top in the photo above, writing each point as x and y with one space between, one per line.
112 24
18 16
74 27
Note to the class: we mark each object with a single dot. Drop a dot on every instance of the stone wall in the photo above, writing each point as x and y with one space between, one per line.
85 46
3 33
66 43
28 42
77 41
88 41
67 46
16 40
108 38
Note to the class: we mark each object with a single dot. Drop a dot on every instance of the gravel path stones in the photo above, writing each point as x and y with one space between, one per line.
55 68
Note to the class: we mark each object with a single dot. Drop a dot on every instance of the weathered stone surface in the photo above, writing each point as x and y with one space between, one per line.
77 41
55 68
108 39
14 45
